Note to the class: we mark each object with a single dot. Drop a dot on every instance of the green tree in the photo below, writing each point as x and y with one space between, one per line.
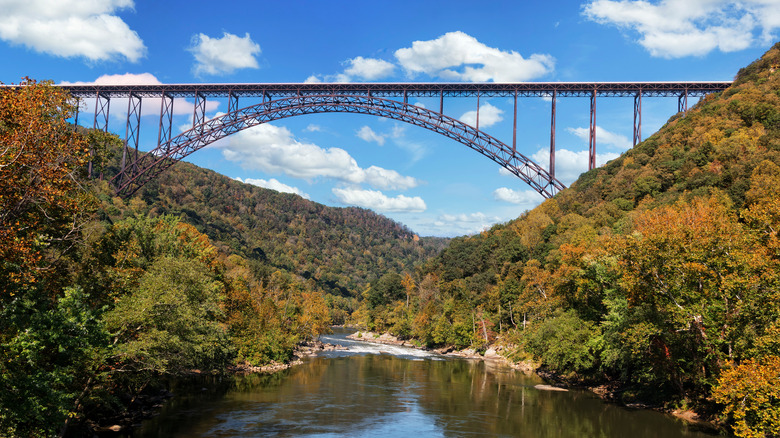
48 369
172 322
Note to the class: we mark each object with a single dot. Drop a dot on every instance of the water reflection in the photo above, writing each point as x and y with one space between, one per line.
367 394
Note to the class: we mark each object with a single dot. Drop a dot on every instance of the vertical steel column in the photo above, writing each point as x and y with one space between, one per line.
514 127
477 110
592 136
102 104
552 134
682 102
199 111
232 103
406 98
166 120
133 126
441 101
638 118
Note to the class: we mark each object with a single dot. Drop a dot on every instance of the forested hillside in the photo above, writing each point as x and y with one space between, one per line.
340 250
657 274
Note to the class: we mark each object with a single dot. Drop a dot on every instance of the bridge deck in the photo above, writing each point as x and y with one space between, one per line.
409 89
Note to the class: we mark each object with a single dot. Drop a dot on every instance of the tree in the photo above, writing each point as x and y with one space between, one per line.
41 202
172 322
751 396
692 271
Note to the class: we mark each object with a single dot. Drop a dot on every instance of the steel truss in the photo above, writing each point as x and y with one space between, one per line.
153 163
295 94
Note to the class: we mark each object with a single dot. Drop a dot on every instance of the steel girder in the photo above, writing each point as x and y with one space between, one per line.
413 89
165 155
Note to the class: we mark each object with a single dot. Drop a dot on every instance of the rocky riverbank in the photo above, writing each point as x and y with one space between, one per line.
492 354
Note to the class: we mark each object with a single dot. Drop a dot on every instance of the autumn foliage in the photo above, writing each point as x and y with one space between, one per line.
40 155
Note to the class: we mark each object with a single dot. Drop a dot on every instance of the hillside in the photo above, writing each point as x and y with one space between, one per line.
341 250
657 275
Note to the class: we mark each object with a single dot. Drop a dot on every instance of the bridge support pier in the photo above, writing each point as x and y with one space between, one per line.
638 118
592 133
132 130
166 119
514 126
682 103
199 112
552 134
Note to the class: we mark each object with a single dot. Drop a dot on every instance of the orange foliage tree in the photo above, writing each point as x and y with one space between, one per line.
40 202
751 396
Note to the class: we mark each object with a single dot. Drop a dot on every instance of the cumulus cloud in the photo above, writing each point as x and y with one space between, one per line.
679 28
274 150
569 165
603 137
368 69
378 201
214 56
275 184
367 134
519 197
488 116
460 224
459 56
358 68
71 28
313 79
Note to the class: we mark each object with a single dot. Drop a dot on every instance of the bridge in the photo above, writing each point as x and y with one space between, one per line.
391 100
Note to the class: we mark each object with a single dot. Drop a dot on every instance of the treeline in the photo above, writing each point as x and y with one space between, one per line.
96 307
657 274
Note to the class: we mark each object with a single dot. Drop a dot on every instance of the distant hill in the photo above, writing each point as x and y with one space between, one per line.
341 250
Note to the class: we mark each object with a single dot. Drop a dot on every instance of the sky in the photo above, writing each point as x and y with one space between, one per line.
431 184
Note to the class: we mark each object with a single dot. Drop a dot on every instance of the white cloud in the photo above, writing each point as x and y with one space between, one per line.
368 69
70 28
460 224
124 79
388 179
603 137
458 56
569 165
367 134
274 150
275 184
313 128
376 200
520 197
224 55
359 68
678 28
488 116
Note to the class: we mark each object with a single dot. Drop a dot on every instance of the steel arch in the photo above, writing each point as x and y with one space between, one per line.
165 155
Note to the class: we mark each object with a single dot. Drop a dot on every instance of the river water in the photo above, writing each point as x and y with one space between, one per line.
373 390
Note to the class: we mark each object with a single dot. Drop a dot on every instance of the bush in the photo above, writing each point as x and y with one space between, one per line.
565 343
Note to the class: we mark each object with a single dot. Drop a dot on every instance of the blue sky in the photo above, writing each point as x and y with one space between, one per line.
425 181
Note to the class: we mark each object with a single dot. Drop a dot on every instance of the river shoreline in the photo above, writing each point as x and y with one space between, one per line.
606 392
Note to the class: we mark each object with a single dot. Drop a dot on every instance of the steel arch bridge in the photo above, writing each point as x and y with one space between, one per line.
281 101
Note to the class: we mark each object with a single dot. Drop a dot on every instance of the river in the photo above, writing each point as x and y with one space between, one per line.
373 390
